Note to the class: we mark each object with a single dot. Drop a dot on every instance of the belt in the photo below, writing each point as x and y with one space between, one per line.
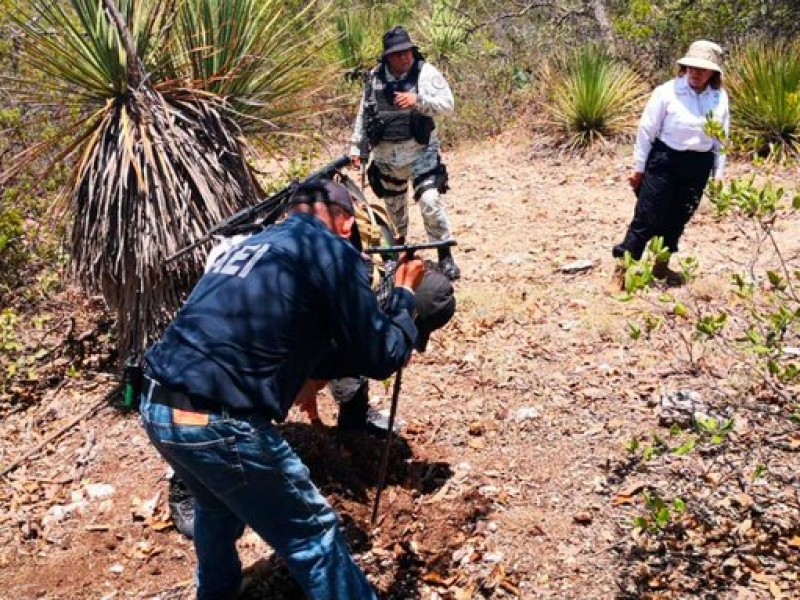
659 145
167 396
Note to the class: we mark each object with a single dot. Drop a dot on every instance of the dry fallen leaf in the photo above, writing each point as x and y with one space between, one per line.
433 578
626 496
159 525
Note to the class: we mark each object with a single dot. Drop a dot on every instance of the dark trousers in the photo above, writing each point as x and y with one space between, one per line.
671 191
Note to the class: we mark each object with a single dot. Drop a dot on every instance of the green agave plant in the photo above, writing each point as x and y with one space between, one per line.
163 93
445 31
594 97
360 33
764 84
359 40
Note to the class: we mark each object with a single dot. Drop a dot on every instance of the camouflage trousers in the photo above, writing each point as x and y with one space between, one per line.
395 181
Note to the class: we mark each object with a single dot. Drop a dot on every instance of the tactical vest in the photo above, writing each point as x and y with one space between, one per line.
387 123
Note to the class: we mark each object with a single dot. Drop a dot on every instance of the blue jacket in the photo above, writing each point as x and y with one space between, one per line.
289 303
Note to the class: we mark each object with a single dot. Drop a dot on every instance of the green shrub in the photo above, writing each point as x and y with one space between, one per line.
12 250
764 84
593 96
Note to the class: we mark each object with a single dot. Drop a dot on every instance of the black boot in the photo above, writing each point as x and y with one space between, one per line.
181 507
448 265
355 413
672 278
352 409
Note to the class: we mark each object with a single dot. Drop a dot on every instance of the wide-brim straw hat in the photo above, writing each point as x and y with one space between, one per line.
703 54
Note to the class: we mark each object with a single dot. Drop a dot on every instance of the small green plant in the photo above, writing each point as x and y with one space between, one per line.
9 321
13 254
710 326
748 199
760 471
714 430
650 323
639 273
659 514
632 446
716 130
654 449
686 447
10 347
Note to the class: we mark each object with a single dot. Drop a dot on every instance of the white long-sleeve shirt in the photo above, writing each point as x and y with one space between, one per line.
434 98
677 115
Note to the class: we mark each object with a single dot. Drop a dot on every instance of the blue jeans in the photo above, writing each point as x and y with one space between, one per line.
242 472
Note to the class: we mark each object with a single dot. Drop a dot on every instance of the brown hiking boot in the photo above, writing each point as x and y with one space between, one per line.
672 278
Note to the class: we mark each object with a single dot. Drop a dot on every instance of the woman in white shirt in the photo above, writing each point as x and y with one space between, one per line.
674 156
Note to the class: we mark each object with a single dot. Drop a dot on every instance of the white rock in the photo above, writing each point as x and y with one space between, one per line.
493 557
578 266
117 569
99 491
488 490
61 512
527 413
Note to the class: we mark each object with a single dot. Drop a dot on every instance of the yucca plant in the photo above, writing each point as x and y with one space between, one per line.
360 33
764 84
594 97
359 40
445 31
160 97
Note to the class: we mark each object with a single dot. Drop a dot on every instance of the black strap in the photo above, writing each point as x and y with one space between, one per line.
167 396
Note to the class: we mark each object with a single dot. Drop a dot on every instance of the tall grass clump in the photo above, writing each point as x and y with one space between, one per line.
764 84
593 97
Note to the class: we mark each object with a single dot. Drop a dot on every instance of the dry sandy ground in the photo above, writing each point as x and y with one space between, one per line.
520 409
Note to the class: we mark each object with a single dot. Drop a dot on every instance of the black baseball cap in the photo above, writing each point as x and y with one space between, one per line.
436 305
326 191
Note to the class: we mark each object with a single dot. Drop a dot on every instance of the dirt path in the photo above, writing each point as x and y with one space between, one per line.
515 420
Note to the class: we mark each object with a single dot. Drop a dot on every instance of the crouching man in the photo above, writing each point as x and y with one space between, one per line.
288 304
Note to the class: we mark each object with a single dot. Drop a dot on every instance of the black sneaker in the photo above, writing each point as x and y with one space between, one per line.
449 268
181 507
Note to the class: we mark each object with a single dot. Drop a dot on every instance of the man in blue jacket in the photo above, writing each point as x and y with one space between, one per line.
285 305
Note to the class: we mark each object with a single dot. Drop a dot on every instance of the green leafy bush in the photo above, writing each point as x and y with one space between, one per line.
593 97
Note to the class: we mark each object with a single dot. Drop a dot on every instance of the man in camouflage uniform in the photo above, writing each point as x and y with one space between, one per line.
395 125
